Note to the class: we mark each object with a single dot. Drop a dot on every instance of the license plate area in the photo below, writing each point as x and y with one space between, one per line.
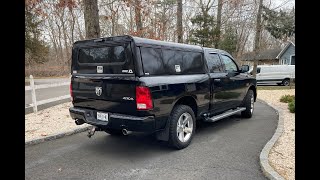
102 116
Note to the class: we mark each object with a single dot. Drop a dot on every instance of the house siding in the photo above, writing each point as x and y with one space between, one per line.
263 62
285 57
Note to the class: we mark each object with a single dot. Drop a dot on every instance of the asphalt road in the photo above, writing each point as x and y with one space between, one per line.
47 93
47 81
227 149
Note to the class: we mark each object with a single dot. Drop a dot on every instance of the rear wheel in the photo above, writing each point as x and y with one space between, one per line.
114 132
182 126
286 82
248 103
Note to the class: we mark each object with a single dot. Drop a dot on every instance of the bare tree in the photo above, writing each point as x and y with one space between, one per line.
257 37
91 18
137 10
179 21
218 27
168 20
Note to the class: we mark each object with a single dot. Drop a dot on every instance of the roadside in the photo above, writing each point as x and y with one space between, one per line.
282 154
50 121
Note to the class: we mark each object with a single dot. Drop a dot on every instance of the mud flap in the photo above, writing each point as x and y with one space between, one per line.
163 135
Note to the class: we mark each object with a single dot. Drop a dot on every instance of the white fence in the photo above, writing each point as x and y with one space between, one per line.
33 88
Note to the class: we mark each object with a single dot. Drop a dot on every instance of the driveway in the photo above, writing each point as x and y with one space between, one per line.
227 149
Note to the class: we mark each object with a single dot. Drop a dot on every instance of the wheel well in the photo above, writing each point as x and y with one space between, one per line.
286 79
253 88
189 101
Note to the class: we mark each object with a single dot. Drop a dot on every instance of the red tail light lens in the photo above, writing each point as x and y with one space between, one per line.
71 94
143 98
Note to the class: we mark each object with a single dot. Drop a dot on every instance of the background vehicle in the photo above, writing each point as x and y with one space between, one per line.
275 74
124 83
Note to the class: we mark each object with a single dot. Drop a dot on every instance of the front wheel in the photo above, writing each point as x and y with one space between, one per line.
286 82
248 103
182 126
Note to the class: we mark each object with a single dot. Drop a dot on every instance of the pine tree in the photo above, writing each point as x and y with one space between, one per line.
229 40
204 33
36 49
281 25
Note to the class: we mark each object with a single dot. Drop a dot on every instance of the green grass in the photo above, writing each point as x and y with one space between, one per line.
287 98
292 106
290 99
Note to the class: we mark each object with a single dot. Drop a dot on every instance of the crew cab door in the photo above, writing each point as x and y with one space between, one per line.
235 83
218 78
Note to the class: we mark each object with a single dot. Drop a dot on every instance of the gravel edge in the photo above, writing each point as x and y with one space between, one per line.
55 136
267 170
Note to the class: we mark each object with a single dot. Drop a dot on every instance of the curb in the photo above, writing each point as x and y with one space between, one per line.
267 170
55 136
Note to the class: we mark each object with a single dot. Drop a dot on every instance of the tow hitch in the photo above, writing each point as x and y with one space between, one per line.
92 131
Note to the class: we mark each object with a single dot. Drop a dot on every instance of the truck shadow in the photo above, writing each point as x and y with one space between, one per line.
142 145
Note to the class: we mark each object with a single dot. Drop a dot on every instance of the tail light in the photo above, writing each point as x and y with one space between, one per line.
143 98
71 93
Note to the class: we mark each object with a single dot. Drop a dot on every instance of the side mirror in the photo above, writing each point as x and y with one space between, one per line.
244 68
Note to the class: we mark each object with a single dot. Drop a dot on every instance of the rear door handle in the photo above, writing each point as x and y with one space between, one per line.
217 80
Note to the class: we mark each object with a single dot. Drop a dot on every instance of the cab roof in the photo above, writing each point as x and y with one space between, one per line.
141 42
151 42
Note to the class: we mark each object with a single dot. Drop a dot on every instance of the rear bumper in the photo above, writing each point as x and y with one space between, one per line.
116 121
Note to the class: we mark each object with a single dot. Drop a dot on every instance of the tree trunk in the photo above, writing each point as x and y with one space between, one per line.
218 27
54 39
59 41
179 22
72 24
131 21
64 30
91 18
257 38
79 30
137 11
112 19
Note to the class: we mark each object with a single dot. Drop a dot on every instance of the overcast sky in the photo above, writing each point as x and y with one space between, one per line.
284 4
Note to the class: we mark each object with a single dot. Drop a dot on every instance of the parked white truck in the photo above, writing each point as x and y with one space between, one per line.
274 74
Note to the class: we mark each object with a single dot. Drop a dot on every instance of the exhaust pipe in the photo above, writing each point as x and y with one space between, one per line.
125 132
79 121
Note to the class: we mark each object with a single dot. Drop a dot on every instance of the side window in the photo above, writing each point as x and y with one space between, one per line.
171 59
214 63
192 62
258 71
152 61
230 66
182 62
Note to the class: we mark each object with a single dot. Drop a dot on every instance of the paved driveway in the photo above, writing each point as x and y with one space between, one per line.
227 149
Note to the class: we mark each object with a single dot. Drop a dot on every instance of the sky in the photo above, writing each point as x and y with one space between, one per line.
283 3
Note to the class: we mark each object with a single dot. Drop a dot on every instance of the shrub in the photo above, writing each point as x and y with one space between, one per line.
287 98
292 106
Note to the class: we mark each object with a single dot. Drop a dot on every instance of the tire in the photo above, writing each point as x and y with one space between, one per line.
248 103
180 137
286 82
114 132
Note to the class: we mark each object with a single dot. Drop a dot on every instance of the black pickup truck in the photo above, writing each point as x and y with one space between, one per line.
122 84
